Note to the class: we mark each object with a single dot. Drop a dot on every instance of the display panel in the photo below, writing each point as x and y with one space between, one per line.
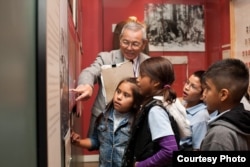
53 61
240 31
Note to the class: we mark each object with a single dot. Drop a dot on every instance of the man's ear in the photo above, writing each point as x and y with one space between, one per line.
145 42
224 94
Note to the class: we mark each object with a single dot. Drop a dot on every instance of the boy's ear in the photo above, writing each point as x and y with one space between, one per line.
202 97
224 94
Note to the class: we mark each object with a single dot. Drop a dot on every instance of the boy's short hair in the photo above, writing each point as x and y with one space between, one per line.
231 74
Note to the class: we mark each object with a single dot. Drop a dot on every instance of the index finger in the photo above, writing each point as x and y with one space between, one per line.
73 90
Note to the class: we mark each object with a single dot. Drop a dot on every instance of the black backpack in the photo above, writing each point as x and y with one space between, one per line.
130 152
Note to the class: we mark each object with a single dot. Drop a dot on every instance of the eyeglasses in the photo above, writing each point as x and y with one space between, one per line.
134 45
191 86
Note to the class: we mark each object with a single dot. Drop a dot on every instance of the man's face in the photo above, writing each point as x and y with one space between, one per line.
131 44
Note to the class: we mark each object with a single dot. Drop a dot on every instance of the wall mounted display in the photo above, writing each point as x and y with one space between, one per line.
55 58
240 27
240 31
175 27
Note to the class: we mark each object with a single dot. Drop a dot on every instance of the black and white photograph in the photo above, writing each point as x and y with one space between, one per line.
175 27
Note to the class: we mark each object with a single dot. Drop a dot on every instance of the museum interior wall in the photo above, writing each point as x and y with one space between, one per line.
99 18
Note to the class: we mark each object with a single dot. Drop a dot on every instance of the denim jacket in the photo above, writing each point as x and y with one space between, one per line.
111 144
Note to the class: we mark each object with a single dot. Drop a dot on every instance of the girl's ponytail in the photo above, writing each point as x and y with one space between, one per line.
169 94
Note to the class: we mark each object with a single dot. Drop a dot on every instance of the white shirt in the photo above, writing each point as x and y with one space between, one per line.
118 118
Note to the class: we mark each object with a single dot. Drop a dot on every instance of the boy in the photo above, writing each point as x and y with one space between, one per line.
226 82
197 113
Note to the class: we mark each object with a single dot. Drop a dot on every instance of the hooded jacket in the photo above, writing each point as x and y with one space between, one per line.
229 132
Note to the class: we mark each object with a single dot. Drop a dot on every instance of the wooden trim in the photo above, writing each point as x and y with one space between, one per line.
232 28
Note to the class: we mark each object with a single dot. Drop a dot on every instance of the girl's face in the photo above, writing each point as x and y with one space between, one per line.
192 91
145 84
211 96
123 98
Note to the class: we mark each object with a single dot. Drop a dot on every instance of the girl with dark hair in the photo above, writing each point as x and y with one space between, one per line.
153 137
112 129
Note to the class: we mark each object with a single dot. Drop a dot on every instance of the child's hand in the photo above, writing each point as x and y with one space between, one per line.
74 138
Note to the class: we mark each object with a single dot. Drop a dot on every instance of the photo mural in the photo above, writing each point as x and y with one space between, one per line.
175 27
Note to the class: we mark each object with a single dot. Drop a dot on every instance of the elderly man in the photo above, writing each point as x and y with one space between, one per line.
133 40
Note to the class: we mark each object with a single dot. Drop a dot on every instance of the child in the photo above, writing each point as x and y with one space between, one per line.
246 101
112 129
152 140
197 113
226 82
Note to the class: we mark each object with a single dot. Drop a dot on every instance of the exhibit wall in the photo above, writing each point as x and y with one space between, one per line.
98 32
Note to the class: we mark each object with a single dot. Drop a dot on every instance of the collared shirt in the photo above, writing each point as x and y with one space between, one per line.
136 64
213 114
246 103
198 117
215 117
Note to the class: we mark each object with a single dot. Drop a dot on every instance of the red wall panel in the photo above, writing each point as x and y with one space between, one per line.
92 42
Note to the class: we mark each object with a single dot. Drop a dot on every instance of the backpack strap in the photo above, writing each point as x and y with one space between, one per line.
173 123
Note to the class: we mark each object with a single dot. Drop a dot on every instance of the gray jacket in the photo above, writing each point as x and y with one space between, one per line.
230 132
91 75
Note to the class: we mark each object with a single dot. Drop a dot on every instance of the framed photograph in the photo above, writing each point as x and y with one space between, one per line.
175 27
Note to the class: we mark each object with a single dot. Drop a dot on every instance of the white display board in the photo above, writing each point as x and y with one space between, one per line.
53 54
240 25
240 31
